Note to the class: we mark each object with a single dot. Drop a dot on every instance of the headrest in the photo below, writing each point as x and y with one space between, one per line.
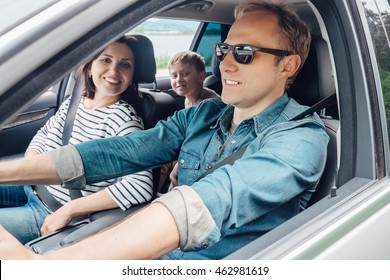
213 81
144 59
315 80
215 66
155 106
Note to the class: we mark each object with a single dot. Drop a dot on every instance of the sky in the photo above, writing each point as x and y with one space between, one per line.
382 4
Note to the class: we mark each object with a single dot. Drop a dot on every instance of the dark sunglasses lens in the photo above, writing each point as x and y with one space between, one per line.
243 54
221 51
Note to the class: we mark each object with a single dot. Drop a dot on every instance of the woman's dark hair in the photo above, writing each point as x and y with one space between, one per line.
131 94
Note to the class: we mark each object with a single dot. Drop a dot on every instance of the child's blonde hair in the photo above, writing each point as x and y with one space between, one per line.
190 57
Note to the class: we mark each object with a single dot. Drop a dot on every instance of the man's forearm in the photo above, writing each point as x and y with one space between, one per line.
38 169
148 234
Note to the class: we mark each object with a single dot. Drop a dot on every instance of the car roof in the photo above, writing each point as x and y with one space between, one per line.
214 11
221 11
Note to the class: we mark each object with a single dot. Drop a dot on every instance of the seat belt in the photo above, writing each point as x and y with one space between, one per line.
229 160
322 104
43 193
68 127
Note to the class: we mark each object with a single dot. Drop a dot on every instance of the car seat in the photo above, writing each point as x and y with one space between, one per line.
315 82
154 105
213 81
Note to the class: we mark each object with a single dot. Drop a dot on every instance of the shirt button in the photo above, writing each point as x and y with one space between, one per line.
233 141
205 245
182 161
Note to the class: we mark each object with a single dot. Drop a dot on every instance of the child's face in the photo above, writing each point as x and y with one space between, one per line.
186 80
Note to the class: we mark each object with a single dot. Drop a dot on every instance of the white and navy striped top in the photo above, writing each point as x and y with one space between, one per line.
115 120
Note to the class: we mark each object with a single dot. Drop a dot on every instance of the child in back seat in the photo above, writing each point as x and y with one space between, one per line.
187 71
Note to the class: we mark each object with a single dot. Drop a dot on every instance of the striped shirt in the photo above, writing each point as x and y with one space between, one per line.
115 120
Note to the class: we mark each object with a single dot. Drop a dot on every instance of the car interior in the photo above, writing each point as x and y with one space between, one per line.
314 83
318 80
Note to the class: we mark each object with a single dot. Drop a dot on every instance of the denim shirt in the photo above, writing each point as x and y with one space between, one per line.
269 184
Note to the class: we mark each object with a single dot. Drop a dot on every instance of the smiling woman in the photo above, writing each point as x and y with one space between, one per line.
110 75
104 111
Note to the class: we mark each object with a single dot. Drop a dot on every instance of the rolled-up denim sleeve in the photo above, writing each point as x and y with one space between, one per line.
196 226
69 166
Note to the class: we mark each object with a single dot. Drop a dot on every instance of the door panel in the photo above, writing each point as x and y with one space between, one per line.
15 136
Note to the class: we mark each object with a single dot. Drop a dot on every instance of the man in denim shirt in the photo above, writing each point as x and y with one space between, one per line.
212 217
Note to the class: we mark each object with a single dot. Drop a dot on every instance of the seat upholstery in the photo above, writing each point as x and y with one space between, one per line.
315 82
329 176
213 81
154 105
145 60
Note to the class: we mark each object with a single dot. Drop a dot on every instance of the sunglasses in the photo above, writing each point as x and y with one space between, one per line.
244 53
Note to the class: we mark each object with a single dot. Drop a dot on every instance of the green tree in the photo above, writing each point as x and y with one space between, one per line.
379 25
379 28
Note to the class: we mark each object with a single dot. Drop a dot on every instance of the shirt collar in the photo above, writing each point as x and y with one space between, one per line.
270 114
261 120
224 120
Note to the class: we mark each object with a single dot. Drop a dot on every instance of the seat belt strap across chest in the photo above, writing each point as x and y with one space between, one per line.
68 127
322 104
43 193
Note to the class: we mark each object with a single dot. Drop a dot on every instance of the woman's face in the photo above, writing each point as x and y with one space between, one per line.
112 72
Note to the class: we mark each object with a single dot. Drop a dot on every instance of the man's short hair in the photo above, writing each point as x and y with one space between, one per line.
295 33
189 57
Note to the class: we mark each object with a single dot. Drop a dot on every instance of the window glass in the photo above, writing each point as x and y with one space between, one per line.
211 36
378 17
168 37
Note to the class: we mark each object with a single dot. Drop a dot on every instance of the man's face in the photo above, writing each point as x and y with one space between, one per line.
253 87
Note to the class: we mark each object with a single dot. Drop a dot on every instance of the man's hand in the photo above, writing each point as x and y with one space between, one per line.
12 249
